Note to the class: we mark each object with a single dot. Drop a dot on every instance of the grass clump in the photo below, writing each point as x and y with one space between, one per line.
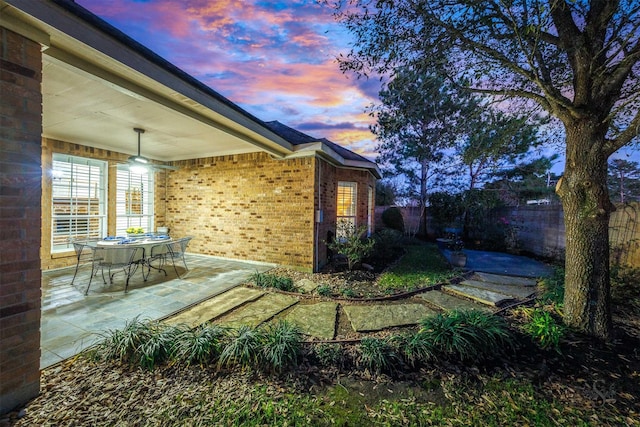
465 335
552 288
324 290
243 349
281 342
328 354
421 266
377 355
142 343
202 345
265 280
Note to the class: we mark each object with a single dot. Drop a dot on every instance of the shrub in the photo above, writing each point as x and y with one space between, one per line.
143 343
351 244
466 334
392 218
265 280
281 344
349 293
324 290
201 345
416 348
544 329
377 355
243 349
388 242
328 354
552 288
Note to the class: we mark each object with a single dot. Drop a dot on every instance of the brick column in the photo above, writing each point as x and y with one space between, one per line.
20 218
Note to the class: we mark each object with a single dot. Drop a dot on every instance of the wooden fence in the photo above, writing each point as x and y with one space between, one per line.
539 229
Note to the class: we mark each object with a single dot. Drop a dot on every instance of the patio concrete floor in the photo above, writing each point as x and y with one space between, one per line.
71 321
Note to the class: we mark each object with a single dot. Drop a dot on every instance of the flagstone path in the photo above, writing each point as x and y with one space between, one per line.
249 306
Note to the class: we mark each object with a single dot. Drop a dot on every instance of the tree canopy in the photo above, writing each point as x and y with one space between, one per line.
577 60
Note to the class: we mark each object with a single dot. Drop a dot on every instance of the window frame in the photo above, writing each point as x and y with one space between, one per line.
125 217
341 199
67 172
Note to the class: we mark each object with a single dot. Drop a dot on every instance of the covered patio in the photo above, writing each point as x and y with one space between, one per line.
71 321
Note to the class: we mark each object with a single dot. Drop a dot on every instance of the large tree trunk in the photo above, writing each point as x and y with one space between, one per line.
583 191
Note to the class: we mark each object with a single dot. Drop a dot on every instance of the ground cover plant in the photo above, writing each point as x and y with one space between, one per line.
456 369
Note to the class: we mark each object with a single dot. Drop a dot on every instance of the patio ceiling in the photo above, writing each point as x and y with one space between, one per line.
85 109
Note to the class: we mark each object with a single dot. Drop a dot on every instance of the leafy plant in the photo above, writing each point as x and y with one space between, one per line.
350 243
377 355
328 354
201 345
467 334
349 293
265 280
144 343
243 348
552 288
281 344
324 290
544 329
416 348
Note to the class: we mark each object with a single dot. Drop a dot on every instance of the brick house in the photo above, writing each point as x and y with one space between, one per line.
72 89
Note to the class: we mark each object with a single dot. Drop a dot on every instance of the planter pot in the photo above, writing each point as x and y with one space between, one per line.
444 243
458 259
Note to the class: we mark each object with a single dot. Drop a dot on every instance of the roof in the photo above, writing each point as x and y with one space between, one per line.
297 139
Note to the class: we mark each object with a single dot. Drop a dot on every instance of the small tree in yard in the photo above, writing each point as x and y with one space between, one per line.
350 242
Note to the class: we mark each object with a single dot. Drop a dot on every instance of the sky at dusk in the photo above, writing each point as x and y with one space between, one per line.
275 59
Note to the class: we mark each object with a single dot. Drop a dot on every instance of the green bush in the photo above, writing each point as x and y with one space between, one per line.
350 243
466 334
377 355
416 348
324 290
143 343
243 349
201 345
392 218
388 242
328 354
544 329
281 345
265 280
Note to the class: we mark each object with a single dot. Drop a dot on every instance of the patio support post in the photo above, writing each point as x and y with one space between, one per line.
20 216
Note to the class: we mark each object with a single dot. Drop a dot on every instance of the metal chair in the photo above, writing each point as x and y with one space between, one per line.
84 253
176 250
125 258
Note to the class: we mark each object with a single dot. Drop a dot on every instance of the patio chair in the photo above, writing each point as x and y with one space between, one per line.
124 258
171 250
84 254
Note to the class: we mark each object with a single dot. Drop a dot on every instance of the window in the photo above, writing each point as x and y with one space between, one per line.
134 200
346 212
78 200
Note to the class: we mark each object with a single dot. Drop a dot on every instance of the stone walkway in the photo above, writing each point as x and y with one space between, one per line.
319 319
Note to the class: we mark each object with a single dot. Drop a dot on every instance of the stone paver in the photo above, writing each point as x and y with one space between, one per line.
259 311
317 320
514 291
380 316
447 302
307 286
216 306
504 280
481 295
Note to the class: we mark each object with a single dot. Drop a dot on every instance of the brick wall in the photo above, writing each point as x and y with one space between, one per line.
20 187
248 207
329 176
